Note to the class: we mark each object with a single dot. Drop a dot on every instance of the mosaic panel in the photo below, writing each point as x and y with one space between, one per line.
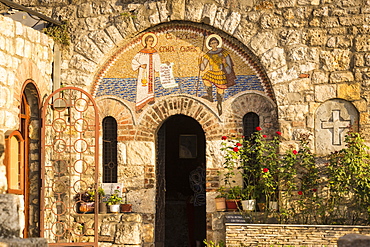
180 59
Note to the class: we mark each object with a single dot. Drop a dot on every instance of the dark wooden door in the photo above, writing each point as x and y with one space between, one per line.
184 152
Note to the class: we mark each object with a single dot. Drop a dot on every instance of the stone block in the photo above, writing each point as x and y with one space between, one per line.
325 92
341 76
218 221
362 43
316 37
22 242
193 10
220 17
353 239
274 59
337 59
139 153
132 217
232 22
148 233
128 233
349 91
10 225
143 201
178 9
286 3
263 42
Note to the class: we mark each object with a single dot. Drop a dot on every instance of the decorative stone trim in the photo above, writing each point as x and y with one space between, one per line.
296 235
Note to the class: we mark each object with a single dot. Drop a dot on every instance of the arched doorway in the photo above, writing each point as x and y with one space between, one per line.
181 207
29 127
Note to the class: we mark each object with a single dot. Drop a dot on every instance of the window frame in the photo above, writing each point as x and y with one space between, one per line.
250 118
8 149
113 178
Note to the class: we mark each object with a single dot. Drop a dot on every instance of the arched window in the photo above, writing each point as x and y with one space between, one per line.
14 160
109 150
250 122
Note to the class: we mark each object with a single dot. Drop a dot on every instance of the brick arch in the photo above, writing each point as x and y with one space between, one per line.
27 72
114 107
154 116
263 106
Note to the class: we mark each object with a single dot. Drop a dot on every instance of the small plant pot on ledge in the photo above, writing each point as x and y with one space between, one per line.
126 208
102 208
220 204
232 205
249 205
115 208
86 207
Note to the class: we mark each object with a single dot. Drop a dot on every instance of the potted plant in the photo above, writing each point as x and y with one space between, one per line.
114 201
85 202
102 204
233 198
126 207
220 200
248 198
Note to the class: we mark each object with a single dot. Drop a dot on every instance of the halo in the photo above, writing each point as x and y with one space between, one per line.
214 36
149 34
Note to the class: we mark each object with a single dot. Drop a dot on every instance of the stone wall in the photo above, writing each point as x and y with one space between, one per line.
25 54
26 57
312 52
295 235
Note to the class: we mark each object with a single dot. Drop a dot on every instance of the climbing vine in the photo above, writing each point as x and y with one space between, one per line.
60 34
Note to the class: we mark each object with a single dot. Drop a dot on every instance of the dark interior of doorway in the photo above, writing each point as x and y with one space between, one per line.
185 221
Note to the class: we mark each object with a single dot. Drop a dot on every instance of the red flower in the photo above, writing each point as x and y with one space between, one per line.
238 144
258 128
314 190
224 137
300 193
236 149
117 187
265 170
264 136
278 132
295 152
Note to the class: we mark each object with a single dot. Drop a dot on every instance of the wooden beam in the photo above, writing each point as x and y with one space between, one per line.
30 11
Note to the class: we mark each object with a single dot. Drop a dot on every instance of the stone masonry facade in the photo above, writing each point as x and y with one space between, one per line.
313 54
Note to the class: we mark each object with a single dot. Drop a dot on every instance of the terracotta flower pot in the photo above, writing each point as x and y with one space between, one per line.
220 204
232 205
261 206
125 208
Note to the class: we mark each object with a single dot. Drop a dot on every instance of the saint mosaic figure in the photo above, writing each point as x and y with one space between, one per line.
221 71
147 62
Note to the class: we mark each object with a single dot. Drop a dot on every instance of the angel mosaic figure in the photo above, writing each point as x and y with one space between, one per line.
147 62
221 71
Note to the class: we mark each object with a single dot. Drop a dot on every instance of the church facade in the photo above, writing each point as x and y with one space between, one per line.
142 96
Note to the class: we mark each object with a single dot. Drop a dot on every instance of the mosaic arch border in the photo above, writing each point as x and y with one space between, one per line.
230 43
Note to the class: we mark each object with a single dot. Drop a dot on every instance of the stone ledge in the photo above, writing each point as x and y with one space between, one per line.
22 242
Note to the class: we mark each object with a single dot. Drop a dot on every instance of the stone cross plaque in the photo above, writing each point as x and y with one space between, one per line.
333 119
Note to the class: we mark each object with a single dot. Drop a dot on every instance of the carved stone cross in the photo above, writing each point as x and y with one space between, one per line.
336 125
